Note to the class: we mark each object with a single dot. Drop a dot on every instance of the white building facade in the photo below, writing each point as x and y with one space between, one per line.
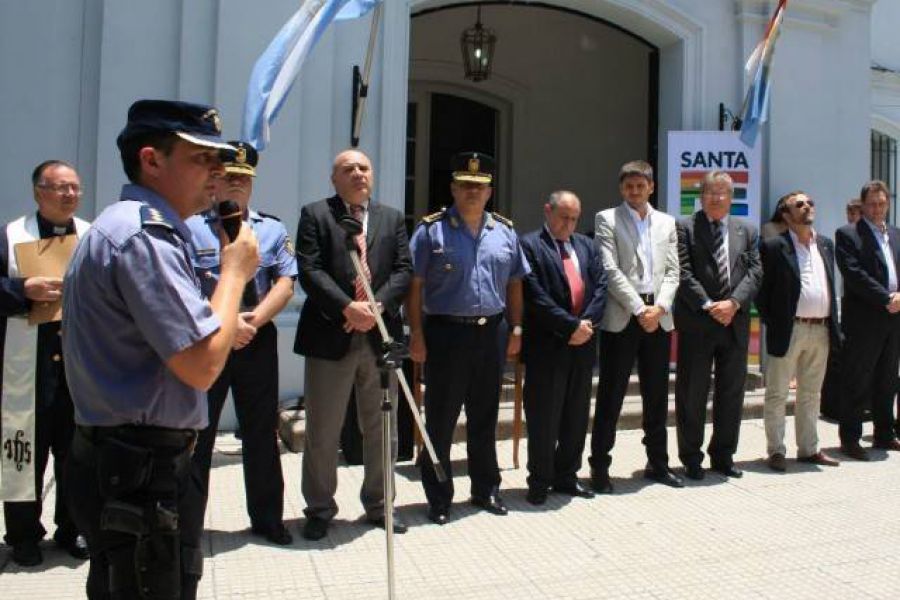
578 87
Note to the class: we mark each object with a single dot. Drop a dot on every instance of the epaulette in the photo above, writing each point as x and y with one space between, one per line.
502 219
434 217
152 217
268 216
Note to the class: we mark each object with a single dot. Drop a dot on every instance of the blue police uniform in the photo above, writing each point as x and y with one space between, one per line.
132 277
465 280
251 372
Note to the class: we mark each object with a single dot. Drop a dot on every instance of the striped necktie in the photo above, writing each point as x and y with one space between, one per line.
721 256
360 291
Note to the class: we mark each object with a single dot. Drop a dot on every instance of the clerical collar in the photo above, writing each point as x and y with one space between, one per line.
48 229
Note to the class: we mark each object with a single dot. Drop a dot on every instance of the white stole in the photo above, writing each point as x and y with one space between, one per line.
17 403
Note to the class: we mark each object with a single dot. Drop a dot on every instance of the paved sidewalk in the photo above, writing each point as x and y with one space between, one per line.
811 533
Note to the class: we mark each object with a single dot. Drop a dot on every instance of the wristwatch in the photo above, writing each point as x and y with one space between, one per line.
517 330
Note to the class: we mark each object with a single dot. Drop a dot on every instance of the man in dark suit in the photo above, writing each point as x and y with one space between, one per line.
338 336
867 255
565 295
720 275
799 308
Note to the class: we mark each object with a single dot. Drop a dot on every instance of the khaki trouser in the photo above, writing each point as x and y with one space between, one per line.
328 386
806 359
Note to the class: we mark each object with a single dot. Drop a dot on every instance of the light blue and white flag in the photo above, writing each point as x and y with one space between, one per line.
755 111
277 68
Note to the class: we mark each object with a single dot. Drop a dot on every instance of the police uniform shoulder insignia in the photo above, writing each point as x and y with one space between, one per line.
289 245
502 219
268 216
152 217
434 217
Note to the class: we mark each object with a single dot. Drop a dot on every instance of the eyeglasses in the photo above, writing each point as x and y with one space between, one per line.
804 203
61 188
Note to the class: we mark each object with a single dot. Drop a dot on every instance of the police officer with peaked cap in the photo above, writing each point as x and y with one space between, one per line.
251 372
142 345
465 299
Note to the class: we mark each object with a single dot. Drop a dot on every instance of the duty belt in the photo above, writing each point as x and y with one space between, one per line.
141 435
474 320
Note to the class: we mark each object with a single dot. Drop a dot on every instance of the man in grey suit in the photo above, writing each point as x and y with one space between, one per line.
720 275
639 249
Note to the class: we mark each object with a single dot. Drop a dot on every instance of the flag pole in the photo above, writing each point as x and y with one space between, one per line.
361 81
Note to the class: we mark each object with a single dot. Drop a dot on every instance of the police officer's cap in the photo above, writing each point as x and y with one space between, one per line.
241 159
195 123
475 167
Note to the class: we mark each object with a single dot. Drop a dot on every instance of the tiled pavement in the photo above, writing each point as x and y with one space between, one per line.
811 533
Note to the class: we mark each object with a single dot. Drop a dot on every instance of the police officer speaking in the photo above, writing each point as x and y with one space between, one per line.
142 345
468 269
252 369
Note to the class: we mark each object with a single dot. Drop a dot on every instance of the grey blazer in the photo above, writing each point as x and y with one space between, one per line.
617 237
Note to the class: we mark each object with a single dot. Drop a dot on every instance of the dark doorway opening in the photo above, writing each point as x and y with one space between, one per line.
457 125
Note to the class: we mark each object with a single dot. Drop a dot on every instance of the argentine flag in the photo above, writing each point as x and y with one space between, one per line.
277 68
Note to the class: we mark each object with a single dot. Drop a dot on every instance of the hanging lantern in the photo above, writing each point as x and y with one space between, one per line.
477 45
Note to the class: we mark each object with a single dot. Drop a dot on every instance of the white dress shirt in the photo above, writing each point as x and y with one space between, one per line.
884 242
643 248
814 301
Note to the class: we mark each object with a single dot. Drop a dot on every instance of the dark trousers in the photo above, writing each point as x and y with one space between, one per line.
557 398
618 352
463 368
869 365
111 549
251 373
697 355
53 433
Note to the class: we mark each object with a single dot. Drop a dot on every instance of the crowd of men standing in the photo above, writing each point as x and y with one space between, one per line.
168 304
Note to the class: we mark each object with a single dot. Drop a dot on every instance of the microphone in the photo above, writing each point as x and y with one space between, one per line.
352 228
231 216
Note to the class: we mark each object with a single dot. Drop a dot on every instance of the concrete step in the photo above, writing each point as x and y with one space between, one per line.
292 424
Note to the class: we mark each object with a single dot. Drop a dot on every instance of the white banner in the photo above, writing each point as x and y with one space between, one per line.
693 153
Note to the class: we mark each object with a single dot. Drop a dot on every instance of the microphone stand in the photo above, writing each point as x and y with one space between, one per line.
392 354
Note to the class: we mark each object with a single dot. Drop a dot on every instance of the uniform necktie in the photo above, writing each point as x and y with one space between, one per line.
721 256
576 284
360 239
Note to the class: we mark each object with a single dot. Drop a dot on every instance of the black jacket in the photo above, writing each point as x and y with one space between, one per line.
327 276
780 290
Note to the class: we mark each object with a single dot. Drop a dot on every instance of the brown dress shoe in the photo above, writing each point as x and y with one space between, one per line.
818 459
777 462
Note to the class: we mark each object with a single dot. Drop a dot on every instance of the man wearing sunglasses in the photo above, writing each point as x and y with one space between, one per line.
798 305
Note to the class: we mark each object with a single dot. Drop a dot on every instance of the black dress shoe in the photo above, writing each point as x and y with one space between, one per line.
600 482
694 472
575 489
536 496
855 451
664 476
76 546
277 535
399 526
27 554
729 471
438 515
892 445
315 528
492 503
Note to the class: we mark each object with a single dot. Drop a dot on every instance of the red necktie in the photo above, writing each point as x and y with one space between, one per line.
576 284
360 294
